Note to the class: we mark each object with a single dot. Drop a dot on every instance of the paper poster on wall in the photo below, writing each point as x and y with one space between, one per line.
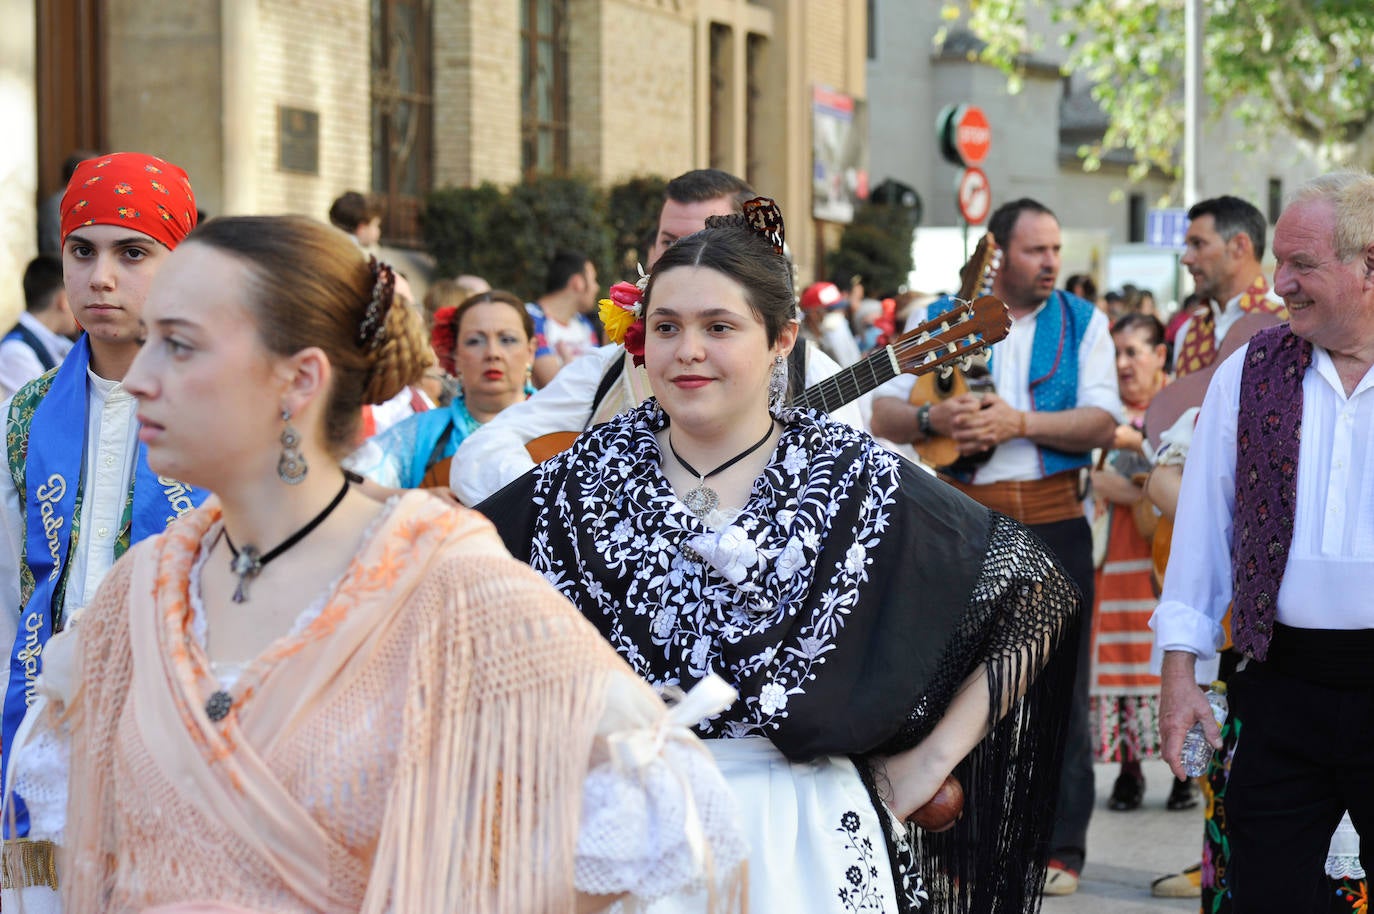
839 148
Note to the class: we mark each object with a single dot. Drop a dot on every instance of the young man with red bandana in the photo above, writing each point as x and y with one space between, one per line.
78 491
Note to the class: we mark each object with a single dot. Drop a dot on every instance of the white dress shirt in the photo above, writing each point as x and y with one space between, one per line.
495 454
111 448
19 364
1328 582
1019 458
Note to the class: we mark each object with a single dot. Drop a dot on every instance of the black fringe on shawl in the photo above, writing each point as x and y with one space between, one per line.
993 860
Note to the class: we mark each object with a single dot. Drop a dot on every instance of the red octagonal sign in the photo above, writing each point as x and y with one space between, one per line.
972 134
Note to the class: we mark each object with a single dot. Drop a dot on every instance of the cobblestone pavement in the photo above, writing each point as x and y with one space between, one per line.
1128 850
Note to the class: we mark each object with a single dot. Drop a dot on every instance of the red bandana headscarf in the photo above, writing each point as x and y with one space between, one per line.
138 191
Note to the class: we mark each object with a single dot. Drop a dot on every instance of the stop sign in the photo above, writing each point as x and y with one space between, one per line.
964 134
972 134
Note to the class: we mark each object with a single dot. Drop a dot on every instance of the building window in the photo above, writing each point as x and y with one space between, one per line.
1275 200
544 87
754 143
402 114
872 29
1135 227
721 110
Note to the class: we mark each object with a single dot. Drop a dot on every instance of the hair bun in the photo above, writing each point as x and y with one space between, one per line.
730 220
401 355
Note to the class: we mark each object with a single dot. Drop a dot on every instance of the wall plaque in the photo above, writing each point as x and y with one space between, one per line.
298 140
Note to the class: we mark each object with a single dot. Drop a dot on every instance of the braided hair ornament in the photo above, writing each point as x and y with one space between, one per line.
372 328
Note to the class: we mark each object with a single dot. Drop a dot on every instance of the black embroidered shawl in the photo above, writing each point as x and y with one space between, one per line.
846 602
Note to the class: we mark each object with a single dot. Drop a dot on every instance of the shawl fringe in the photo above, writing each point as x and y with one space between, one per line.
993 860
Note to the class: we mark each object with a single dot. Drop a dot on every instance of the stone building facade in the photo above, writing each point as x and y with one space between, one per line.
280 105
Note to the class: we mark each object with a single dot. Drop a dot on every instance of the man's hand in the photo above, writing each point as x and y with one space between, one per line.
1181 704
1128 438
991 423
947 416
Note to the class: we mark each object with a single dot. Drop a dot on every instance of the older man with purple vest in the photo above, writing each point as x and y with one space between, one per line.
1275 518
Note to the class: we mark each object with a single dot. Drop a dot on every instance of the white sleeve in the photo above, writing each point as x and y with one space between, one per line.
11 549
1197 583
900 387
820 366
1097 369
19 365
41 760
376 459
657 816
1180 335
495 454
38 765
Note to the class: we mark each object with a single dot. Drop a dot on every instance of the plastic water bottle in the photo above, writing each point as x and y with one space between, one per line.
1197 752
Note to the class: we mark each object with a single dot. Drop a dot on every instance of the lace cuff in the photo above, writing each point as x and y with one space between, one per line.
1343 860
38 763
657 817
38 767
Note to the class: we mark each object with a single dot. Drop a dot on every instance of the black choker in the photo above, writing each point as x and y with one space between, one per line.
702 500
248 563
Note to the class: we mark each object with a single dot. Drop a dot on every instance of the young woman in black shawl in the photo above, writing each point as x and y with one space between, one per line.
882 629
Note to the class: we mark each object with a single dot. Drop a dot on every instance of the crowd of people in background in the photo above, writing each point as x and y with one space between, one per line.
848 627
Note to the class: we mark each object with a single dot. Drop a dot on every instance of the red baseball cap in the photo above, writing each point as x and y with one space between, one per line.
821 295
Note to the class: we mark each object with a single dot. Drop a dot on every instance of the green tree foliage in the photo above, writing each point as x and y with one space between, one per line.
876 246
509 236
1304 65
632 209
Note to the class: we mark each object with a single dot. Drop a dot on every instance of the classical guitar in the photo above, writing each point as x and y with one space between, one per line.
975 280
953 339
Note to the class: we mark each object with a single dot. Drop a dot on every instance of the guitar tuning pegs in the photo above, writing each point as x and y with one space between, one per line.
965 362
946 371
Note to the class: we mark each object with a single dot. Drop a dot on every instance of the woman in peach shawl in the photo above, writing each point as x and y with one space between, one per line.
300 699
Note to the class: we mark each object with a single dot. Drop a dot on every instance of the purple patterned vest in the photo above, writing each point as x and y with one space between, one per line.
1268 430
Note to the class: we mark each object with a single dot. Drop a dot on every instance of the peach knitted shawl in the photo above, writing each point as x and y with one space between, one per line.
419 747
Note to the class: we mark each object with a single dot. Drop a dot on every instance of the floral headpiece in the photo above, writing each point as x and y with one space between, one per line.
623 315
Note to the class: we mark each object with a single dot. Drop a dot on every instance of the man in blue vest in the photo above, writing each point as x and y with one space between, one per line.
77 491
42 338
1274 520
1056 399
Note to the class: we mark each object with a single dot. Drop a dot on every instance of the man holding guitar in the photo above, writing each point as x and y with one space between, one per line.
596 386
1056 400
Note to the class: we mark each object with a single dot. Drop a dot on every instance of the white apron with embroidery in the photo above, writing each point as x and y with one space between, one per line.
816 845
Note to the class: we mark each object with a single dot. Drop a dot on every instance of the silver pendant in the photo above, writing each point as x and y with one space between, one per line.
702 500
247 566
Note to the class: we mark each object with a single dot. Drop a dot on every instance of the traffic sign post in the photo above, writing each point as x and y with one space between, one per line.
974 195
965 137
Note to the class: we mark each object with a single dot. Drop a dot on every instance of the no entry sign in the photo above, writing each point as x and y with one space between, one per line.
974 195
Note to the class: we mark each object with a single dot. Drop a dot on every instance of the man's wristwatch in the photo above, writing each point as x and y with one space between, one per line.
923 420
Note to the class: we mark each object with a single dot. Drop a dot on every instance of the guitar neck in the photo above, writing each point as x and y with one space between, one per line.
849 384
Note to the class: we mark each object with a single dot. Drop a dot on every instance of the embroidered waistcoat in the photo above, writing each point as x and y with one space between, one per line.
1268 432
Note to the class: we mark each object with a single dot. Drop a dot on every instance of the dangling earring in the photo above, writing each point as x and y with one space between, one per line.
529 379
291 466
777 384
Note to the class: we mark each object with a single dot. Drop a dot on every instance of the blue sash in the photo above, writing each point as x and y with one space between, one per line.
53 475
1053 381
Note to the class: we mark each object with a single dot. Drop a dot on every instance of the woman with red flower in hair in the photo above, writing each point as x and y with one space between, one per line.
492 355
